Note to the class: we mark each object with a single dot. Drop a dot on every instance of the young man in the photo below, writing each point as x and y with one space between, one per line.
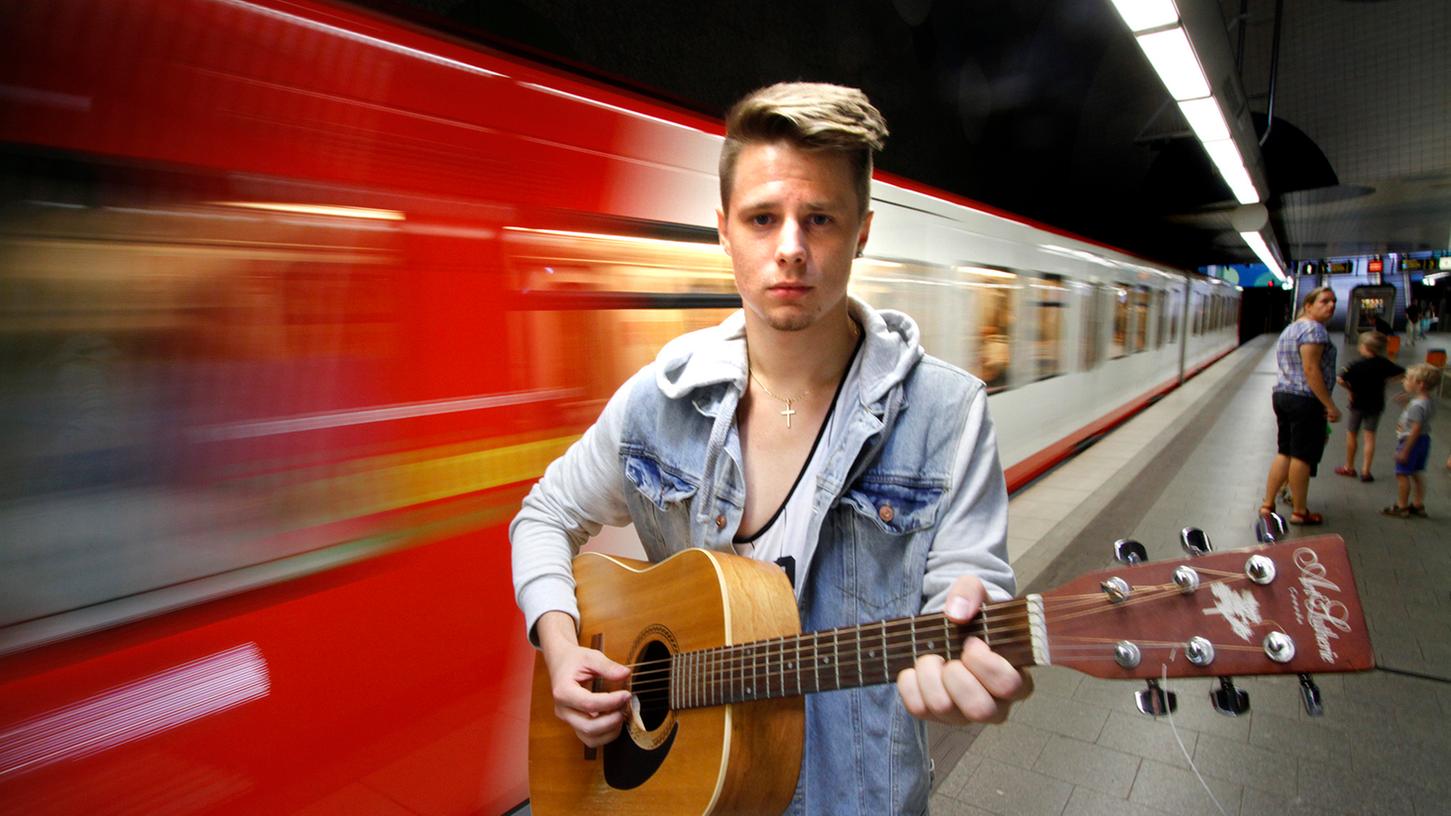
809 430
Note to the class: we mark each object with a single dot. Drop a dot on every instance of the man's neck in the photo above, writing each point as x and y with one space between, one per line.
803 360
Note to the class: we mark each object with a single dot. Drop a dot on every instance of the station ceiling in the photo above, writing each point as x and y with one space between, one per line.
1048 109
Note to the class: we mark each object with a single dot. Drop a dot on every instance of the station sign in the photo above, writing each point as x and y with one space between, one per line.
1341 267
1417 264
1443 263
1375 266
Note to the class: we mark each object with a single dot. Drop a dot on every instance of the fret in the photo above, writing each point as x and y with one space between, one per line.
815 662
886 672
836 655
946 638
912 628
861 679
712 686
982 623
781 665
798 664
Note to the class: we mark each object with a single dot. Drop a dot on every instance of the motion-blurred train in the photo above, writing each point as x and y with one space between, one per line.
296 301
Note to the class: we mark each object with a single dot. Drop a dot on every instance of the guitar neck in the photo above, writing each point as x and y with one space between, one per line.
849 657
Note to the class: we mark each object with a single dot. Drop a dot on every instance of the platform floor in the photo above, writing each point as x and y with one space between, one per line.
1199 458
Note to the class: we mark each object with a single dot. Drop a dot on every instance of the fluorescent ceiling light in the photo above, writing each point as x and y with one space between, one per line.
1227 160
1205 117
1257 243
1142 15
1173 59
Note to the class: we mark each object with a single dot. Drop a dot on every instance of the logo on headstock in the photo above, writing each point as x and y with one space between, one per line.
1324 615
1239 609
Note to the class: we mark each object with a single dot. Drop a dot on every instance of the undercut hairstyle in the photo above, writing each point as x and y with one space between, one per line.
1426 374
810 116
1314 295
1375 342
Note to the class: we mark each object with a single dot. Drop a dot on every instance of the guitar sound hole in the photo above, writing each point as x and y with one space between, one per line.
652 684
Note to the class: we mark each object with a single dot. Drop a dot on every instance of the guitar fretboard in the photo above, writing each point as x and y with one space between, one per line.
850 657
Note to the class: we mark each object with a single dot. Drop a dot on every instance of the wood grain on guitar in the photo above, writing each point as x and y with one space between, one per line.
719 663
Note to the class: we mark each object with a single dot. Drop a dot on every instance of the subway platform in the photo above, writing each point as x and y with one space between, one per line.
1199 457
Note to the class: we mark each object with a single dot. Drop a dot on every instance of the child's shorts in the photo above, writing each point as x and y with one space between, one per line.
1368 421
1416 461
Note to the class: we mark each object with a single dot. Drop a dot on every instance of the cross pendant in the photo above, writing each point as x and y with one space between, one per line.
787 412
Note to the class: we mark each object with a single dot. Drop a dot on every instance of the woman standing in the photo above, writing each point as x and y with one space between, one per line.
1306 361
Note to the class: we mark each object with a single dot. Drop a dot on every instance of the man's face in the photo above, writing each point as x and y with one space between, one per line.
792 230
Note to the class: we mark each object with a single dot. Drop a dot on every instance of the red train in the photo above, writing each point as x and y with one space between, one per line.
298 300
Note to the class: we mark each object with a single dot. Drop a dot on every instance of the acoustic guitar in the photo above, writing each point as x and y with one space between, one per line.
719 664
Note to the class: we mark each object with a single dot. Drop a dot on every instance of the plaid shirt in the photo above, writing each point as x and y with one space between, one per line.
1287 355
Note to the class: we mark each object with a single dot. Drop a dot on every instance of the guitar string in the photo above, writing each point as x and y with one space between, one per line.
736 659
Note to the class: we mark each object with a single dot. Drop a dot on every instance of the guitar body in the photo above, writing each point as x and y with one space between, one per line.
733 758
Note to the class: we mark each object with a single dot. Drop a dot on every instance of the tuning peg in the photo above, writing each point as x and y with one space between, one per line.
1310 696
1155 701
1129 551
1270 528
1228 700
1195 541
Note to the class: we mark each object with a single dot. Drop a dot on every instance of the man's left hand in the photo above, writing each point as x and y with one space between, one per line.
979 686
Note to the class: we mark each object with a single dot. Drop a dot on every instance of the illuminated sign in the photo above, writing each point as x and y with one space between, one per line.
1417 264
1376 266
1444 263
1340 267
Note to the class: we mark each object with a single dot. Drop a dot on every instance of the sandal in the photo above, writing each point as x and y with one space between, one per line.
1419 512
1267 510
1396 511
1366 477
1342 470
1307 519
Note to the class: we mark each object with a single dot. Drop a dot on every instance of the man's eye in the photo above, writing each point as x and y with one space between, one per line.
818 220
761 219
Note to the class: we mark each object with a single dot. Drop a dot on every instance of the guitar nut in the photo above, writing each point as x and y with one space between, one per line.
885 513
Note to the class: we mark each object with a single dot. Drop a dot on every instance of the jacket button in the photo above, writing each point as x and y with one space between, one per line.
885 513
720 521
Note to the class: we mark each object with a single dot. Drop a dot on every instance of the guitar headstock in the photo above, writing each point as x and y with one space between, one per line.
1283 609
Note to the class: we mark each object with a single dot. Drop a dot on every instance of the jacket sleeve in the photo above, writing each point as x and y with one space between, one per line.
972 531
578 494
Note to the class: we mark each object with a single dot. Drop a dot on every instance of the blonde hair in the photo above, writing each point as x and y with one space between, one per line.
1374 341
1425 374
810 116
1313 295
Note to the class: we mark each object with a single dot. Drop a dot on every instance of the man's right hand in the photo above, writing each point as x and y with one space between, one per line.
1332 414
595 717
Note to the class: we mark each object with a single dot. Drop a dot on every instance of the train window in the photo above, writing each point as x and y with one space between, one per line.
996 294
928 293
1141 318
1050 303
1175 309
1118 344
1161 309
1092 330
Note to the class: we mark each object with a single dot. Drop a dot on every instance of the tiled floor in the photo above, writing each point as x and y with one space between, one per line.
1199 458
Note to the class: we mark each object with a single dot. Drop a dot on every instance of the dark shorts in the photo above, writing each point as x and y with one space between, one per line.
1416 461
1369 420
1302 426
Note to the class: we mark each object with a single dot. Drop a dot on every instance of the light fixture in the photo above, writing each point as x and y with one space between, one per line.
1174 61
337 211
1257 243
1142 15
1205 117
1226 158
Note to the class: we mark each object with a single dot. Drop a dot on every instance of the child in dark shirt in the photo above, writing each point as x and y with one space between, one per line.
1366 379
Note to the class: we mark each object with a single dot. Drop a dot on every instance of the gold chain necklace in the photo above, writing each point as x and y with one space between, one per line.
789 411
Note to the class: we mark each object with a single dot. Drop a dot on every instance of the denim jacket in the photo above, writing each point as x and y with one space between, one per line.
911 497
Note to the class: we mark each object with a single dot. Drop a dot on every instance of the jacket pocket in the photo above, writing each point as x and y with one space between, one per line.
878 555
659 485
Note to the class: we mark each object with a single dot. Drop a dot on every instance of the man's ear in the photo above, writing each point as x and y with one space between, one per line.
861 238
720 228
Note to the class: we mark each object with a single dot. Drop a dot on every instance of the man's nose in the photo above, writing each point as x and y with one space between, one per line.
790 250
